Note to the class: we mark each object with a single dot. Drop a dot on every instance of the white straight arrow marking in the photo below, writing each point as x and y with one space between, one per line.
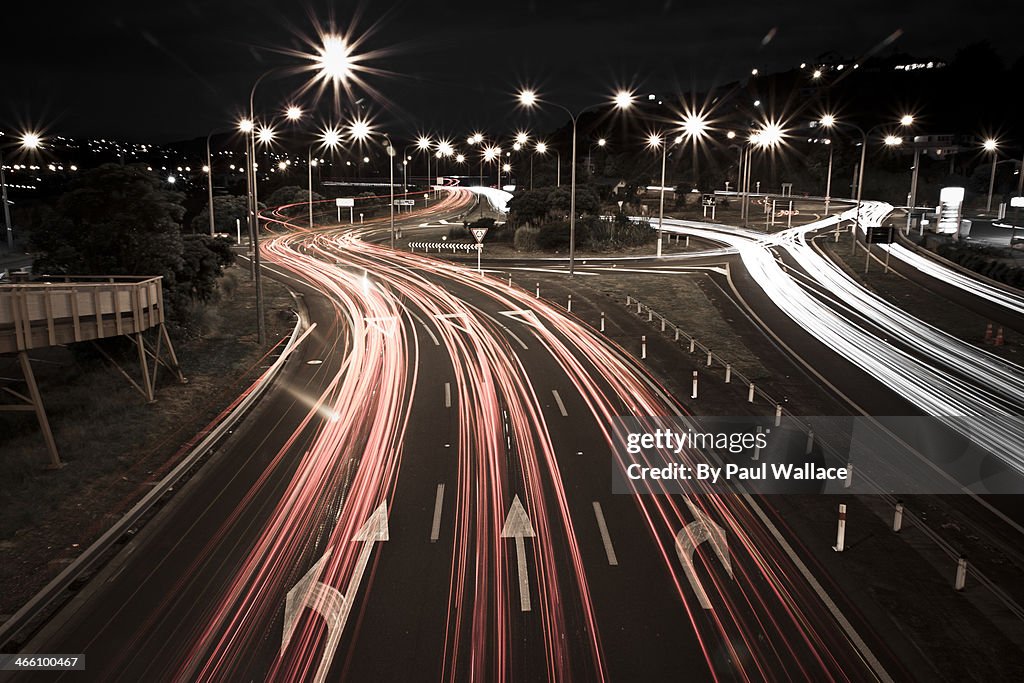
518 526
326 600
693 534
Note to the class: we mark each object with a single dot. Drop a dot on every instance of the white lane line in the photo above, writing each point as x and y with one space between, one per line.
435 528
605 538
558 400
426 327
447 394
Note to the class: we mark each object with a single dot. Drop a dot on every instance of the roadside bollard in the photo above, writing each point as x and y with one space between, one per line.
692 342
709 358
849 475
778 414
510 280
629 300
602 321
694 394
841 530
897 518
643 347
677 334
961 573
810 442
757 448
568 306
538 290
728 373
638 308
650 315
750 394
662 324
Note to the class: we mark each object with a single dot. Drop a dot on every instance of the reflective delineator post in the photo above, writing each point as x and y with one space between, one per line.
961 573
778 414
810 442
728 373
757 448
629 300
897 518
510 280
643 346
677 334
841 530
602 321
663 324
692 344
750 394
538 290
849 475
568 306
709 358
694 394
650 315
638 308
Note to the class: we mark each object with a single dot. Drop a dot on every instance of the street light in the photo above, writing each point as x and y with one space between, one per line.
542 149
622 100
991 146
30 141
329 139
333 63
654 141
360 130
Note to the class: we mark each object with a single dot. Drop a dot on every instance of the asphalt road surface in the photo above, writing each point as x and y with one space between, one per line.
425 495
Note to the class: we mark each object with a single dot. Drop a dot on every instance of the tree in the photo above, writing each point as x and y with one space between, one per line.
587 201
530 207
291 194
115 220
226 210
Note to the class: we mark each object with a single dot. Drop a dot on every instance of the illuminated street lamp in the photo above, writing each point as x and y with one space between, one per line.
991 146
601 142
622 100
333 62
542 149
329 139
30 141
654 141
360 130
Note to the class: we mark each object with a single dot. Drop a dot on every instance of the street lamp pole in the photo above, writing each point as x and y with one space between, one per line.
7 208
828 183
528 98
209 183
991 146
661 201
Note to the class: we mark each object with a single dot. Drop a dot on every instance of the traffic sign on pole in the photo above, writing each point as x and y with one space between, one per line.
478 234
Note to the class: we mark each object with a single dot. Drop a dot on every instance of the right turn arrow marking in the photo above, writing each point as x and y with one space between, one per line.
693 534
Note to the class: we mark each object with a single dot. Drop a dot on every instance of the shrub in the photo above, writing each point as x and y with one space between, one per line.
526 239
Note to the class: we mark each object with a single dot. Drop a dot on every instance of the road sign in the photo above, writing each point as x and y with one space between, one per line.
880 234
405 202
1017 202
478 234
708 200
345 201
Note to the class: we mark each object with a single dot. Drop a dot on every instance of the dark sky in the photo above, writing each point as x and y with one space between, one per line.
160 71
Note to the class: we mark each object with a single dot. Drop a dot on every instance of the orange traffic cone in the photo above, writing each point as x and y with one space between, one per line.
988 333
999 337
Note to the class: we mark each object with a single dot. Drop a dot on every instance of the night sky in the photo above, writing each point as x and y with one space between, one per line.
163 71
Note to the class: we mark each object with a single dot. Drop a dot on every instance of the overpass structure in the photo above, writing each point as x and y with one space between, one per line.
59 311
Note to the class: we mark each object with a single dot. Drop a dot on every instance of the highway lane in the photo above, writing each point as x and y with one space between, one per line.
344 511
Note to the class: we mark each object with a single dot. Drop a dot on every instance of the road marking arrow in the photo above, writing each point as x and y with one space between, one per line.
517 526
693 534
326 600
